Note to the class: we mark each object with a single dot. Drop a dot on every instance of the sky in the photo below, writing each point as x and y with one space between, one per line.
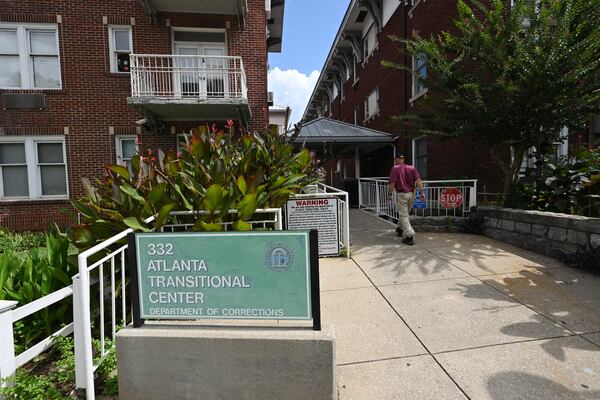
309 28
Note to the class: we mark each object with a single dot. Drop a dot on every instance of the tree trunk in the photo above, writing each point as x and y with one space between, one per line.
510 171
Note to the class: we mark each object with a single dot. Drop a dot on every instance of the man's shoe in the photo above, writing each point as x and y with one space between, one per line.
399 232
408 240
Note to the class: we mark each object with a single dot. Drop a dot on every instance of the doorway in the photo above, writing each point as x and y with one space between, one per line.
200 66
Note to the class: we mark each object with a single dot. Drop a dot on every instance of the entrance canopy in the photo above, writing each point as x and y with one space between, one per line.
337 137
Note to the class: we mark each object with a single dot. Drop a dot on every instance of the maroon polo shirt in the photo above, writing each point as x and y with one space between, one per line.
404 177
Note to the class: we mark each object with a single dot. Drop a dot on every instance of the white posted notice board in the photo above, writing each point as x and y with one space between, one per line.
317 213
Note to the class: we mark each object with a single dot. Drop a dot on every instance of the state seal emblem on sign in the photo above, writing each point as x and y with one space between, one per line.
279 257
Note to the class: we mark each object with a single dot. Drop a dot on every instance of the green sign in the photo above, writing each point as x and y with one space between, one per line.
227 275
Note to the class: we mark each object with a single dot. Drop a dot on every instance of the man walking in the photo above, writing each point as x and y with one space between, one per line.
402 180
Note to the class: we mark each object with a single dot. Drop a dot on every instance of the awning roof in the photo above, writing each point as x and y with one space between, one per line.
326 130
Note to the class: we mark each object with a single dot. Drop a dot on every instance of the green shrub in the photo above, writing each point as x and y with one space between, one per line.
52 375
23 241
571 186
30 276
216 173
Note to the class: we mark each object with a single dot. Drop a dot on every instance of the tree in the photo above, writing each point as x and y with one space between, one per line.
510 77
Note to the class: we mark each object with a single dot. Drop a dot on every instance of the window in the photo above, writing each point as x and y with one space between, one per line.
354 70
126 148
372 104
119 41
419 73
369 42
335 91
420 156
32 168
29 57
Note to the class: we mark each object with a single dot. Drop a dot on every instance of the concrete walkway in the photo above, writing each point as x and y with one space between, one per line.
459 317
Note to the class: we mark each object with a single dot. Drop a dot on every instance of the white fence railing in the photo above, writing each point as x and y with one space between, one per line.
181 76
322 190
113 303
372 195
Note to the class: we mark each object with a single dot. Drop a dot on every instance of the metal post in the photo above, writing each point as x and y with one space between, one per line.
347 225
278 222
360 197
377 198
473 196
82 327
7 343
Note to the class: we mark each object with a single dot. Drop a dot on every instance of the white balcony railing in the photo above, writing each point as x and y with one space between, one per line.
187 77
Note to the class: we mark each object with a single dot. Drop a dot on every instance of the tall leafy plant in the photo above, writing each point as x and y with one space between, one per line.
31 276
570 186
215 173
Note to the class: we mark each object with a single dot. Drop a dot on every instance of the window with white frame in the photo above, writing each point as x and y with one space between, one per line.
420 156
419 73
369 42
126 148
29 57
372 104
120 47
33 168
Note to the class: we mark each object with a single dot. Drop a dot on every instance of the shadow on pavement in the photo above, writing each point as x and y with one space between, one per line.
521 386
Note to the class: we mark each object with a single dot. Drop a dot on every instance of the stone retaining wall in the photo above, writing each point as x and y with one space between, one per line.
552 234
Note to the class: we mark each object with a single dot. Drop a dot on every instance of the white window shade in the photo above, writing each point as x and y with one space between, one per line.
372 104
369 41
43 42
8 41
9 59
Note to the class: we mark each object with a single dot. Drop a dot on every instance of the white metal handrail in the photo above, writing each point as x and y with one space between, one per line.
84 361
372 194
82 313
168 76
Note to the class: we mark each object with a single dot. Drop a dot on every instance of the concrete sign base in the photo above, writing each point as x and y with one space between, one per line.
179 362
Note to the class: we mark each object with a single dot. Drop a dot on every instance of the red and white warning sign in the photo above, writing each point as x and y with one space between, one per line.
451 198
320 214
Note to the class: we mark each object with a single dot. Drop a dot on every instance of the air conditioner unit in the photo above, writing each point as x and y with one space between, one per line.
270 98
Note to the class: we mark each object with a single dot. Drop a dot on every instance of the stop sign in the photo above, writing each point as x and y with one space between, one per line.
451 198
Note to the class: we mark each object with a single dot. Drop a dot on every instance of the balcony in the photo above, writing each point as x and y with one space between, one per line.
189 87
225 7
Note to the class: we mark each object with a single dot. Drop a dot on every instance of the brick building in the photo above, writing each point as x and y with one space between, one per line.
354 87
88 83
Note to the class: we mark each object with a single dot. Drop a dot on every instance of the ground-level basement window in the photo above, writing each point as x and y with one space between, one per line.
126 148
33 168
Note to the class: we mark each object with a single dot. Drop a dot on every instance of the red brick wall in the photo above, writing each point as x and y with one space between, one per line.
92 99
453 159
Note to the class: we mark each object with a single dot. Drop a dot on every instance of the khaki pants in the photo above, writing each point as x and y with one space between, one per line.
404 203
